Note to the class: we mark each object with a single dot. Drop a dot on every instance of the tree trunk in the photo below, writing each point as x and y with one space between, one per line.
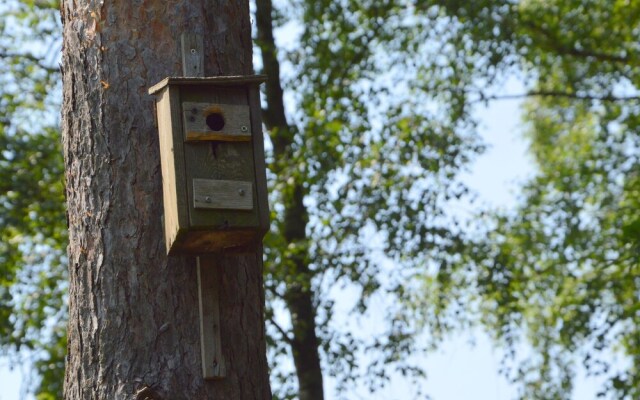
298 293
133 324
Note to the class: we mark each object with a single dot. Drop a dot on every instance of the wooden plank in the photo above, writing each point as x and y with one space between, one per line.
210 342
172 163
219 160
192 55
222 194
259 162
233 122
213 365
198 242
227 80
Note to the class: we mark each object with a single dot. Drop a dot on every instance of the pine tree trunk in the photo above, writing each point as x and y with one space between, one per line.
133 311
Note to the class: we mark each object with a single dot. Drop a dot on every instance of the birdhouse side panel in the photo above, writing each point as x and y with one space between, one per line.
260 167
172 164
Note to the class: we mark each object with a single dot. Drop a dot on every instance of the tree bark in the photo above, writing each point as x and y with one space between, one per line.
298 294
133 324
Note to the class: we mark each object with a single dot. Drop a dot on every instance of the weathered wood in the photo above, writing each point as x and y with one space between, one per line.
212 160
207 242
236 122
222 195
226 80
210 340
232 152
192 54
173 169
213 365
259 162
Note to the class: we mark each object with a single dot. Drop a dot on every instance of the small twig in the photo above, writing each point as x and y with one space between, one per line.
33 59
555 43
551 93
284 334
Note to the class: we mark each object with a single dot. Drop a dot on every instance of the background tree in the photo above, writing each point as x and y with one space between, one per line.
363 168
32 221
562 272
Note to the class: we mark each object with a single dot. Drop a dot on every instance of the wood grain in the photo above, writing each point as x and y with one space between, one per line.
237 121
192 54
223 80
222 195
213 365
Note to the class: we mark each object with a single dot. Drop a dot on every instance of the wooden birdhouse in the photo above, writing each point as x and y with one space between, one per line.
212 157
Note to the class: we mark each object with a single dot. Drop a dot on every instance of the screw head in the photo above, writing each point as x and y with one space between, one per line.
244 128
241 192
207 199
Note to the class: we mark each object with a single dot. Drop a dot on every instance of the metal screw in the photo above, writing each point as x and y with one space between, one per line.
193 51
243 128
207 199
241 192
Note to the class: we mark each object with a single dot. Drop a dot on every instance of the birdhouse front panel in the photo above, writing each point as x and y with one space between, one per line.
214 179
220 168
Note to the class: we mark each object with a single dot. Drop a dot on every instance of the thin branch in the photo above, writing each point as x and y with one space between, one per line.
33 59
284 333
553 93
553 42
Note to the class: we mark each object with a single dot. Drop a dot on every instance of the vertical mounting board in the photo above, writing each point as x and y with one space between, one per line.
192 55
213 366
210 343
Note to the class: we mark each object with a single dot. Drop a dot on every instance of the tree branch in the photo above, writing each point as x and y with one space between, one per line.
285 335
556 93
31 58
553 42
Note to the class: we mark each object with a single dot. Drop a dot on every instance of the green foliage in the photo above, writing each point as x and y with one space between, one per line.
32 216
381 97
378 164
562 271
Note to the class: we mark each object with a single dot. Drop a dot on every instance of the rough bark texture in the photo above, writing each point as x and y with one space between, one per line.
298 295
133 311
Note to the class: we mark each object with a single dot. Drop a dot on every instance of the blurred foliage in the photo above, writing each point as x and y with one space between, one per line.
380 98
374 143
561 273
32 216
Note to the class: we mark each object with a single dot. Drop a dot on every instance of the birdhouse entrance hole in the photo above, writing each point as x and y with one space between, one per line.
215 121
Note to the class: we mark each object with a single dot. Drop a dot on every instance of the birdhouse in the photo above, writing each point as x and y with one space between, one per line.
212 157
